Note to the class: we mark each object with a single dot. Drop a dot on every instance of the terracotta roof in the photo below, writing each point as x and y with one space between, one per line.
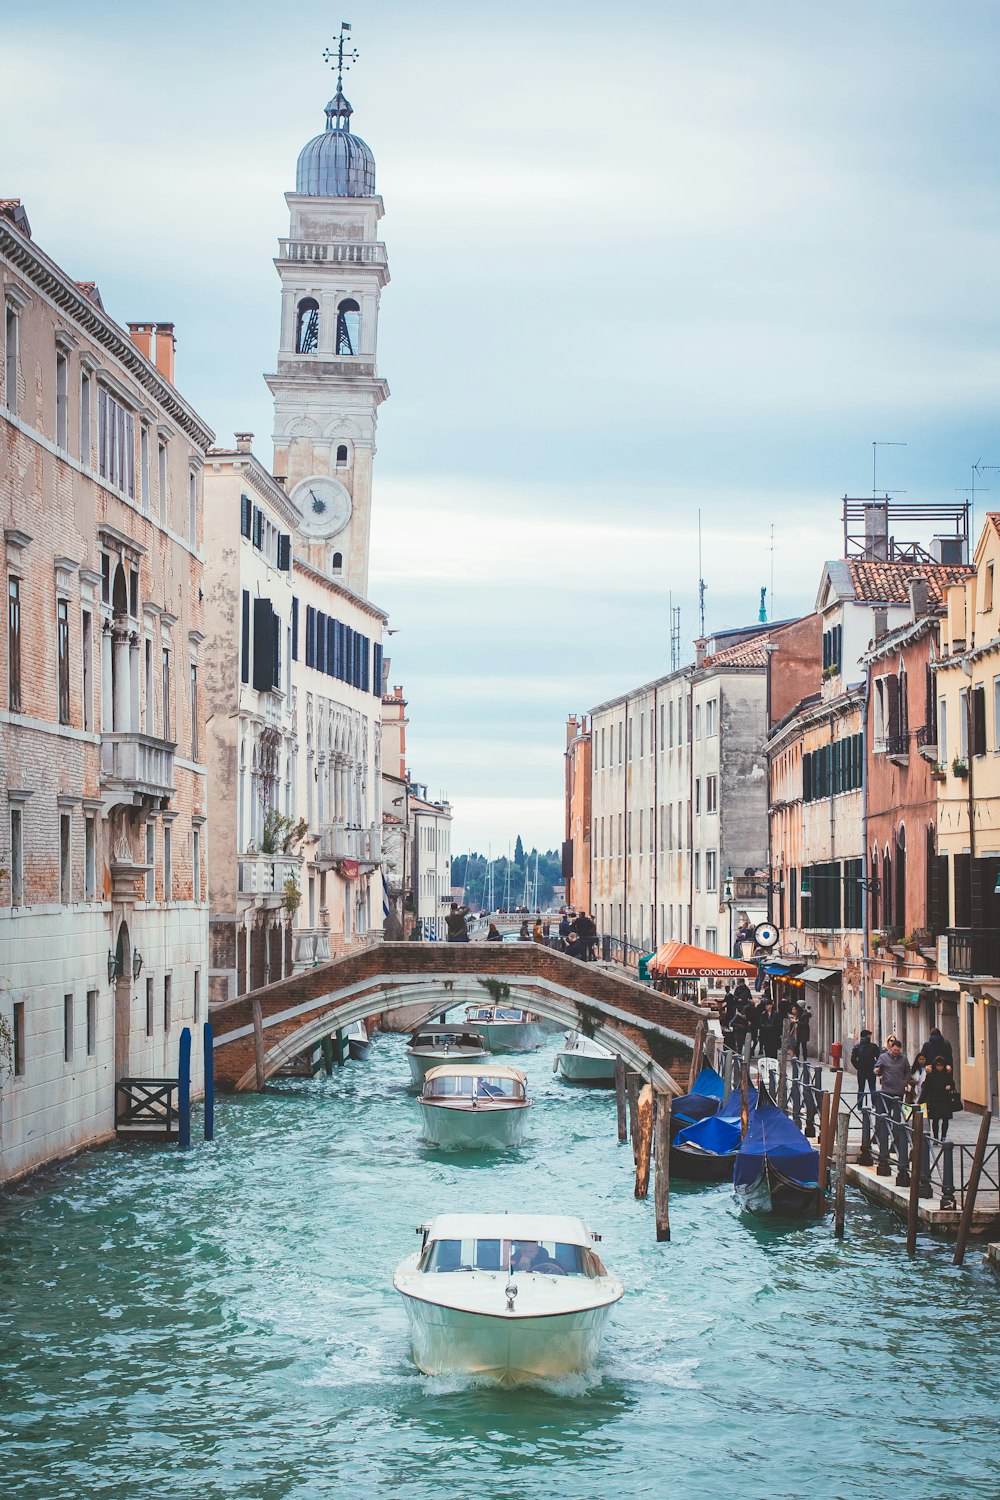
889 583
752 653
994 516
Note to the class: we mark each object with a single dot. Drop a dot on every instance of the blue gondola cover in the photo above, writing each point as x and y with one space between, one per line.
772 1136
720 1133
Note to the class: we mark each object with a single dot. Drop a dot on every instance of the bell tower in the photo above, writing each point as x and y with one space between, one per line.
326 388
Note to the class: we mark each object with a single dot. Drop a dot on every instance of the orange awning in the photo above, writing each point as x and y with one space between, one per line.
683 961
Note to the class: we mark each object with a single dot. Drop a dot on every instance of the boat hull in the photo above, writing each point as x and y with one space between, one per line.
358 1049
701 1166
774 1194
510 1036
483 1127
510 1350
593 1072
421 1063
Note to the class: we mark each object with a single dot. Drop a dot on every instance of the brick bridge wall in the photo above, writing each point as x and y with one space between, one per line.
520 964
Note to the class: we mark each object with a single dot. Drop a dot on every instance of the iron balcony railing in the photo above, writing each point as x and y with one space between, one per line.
973 951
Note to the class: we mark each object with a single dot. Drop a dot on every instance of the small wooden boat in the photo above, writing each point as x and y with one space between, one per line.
582 1060
474 1104
776 1169
432 1045
707 1150
358 1040
506 1028
513 1297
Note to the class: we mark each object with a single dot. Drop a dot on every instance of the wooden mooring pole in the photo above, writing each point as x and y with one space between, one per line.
840 1186
971 1189
913 1205
620 1100
633 1084
258 1045
644 1140
698 1054
824 1127
661 1192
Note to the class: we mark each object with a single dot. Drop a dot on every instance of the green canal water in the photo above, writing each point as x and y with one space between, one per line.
223 1324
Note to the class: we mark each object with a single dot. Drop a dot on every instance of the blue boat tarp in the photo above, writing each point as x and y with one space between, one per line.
719 1133
703 1100
709 1082
772 1137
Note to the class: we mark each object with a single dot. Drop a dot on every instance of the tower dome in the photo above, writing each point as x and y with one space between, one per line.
336 164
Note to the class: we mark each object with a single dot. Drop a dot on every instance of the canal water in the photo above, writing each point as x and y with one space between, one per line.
223 1324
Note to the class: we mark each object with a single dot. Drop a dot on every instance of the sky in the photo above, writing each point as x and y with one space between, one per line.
648 262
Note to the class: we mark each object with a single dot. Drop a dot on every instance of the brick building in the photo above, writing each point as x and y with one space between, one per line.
103 913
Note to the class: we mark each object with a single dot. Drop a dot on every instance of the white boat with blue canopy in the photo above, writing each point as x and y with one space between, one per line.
511 1297
506 1028
480 1105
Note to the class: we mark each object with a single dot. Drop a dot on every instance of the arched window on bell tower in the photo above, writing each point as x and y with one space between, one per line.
337 563
307 326
348 326
341 455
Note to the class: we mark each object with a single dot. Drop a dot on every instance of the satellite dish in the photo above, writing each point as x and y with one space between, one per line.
766 935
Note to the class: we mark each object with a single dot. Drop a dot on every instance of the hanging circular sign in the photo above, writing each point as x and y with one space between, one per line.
766 935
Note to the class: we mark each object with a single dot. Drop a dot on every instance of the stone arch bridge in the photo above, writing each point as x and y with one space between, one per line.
258 1034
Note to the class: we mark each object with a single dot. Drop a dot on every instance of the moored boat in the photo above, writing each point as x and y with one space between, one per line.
776 1169
506 1028
432 1045
513 1297
704 1099
707 1150
474 1104
584 1060
358 1040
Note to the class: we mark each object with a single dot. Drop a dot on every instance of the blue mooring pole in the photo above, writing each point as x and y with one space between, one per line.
209 1043
184 1091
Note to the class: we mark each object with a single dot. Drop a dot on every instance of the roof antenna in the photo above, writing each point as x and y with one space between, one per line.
702 585
344 59
875 447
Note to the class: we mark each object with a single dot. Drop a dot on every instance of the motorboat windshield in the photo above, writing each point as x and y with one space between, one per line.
497 1013
447 1040
442 1085
539 1257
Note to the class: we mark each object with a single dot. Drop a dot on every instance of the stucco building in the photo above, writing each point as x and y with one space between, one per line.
576 847
103 841
430 861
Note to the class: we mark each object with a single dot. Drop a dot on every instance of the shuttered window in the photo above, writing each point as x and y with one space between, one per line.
245 639
264 658
284 551
295 629
246 515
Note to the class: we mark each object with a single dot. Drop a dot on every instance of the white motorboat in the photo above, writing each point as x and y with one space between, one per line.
433 1045
358 1040
474 1104
582 1060
506 1028
514 1297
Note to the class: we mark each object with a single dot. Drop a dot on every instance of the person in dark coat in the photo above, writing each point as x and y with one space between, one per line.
769 1029
742 992
740 1028
939 1097
937 1046
863 1060
494 935
803 1032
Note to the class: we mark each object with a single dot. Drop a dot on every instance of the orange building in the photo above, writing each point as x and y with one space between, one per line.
576 849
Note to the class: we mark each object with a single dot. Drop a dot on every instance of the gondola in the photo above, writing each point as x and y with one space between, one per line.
776 1169
703 1100
707 1150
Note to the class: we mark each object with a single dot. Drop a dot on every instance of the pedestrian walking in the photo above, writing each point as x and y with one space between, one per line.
863 1060
458 927
803 1032
938 1046
892 1069
940 1097
769 1029
537 935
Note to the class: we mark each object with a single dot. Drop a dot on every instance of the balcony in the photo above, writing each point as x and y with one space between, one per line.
973 952
749 888
138 765
927 742
333 253
263 876
310 945
897 747
337 842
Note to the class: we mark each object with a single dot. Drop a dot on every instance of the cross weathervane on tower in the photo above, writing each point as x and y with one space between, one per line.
344 59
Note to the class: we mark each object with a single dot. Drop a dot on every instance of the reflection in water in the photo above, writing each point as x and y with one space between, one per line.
223 1324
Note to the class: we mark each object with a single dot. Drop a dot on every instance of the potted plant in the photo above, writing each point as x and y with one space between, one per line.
938 772
959 767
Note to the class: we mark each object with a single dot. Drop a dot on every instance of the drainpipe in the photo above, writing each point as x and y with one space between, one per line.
865 867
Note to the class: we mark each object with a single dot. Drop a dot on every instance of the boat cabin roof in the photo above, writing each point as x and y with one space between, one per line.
459 1036
562 1227
476 1070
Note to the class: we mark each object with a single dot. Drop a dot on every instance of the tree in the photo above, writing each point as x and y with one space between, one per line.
519 853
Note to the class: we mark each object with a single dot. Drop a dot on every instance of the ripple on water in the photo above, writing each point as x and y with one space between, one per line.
223 1324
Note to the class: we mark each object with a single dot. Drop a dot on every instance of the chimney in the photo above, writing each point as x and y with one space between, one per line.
572 728
877 530
881 627
165 346
918 598
244 442
141 335
699 652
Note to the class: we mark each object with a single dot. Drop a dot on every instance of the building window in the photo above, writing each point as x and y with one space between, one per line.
307 326
712 939
942 741
12 333
87 664
970 1029
151 861
711 794
144 467
348 326
341 455
16 857
697 795
197 996
711 870
833 650
979 720
711 711
168 873
115 443
67 1028
89 857
196 862
194 712
697 872
167 985
65 859
150 1003
161 481
19 1039
165 683
85 443
14 644
91 1022
62 400
62 647
193 508
988 590
963 724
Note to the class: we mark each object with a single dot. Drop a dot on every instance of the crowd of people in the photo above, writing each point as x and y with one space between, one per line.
763 1020
576 934
926 1084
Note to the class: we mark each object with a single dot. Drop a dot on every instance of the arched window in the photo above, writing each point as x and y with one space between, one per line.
341 454
119 592
348 326
337 562
873 890
899 903
886 888
307 326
